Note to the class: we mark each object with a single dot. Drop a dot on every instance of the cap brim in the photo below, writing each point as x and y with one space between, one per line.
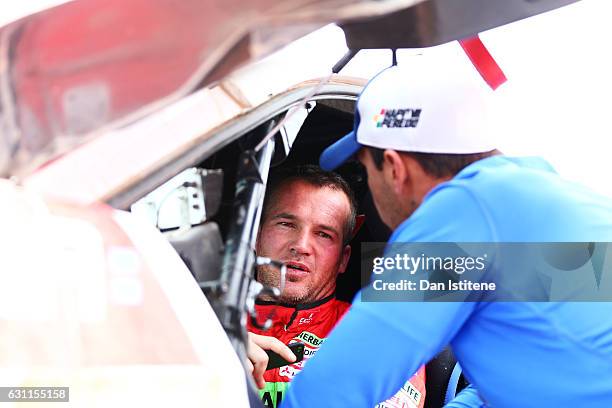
339 152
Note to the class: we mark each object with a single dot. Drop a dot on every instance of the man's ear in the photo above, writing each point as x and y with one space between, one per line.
346 255
396 173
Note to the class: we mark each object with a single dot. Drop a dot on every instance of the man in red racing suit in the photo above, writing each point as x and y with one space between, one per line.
309 324
307 222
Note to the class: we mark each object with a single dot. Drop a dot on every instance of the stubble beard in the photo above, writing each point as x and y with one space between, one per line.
270 276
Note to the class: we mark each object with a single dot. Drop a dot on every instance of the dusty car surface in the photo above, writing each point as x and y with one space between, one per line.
136 146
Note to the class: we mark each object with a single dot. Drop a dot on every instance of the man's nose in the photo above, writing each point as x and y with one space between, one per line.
301 244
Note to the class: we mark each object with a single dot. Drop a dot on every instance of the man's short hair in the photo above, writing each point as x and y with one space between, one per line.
435 164
314 176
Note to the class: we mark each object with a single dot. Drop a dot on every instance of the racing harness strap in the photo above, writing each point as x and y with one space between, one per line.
453 382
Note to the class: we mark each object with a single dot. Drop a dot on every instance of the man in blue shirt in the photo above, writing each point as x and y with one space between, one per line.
436 176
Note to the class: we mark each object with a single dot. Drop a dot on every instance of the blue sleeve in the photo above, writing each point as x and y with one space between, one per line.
467 398
365 359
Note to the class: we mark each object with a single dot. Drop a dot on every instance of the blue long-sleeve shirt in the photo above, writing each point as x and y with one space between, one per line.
516 354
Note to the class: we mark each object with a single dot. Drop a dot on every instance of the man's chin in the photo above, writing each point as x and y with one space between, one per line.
293 279
293 296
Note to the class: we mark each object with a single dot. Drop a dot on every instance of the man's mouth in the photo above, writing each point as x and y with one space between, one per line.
297 266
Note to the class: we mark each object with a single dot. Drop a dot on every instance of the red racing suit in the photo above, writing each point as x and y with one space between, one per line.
309 324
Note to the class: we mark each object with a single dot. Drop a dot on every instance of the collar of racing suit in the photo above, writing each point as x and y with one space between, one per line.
281 309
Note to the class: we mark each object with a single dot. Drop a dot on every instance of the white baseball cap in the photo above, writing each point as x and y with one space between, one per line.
435 102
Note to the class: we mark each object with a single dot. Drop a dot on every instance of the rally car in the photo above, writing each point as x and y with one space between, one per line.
135 145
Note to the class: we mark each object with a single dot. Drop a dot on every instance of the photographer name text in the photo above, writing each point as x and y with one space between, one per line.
426 285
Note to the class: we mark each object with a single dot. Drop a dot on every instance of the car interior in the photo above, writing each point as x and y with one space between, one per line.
198 215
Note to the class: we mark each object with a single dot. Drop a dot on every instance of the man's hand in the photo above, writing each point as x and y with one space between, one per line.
258 359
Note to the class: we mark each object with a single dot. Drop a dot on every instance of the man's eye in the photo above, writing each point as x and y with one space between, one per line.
324 235
285 224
